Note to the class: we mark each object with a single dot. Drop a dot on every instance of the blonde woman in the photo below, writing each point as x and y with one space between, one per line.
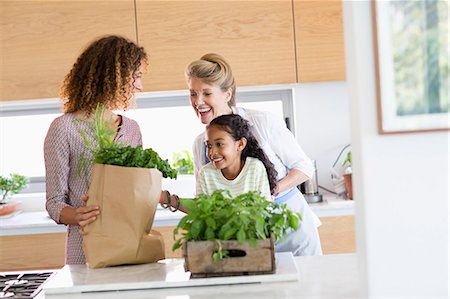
212 93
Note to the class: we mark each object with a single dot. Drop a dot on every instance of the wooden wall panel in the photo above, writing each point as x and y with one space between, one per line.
256 37
167 232
319 40
40 40
26 252
337 234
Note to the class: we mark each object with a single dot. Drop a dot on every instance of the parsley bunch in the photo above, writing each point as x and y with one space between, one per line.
105 151
134 157
247 217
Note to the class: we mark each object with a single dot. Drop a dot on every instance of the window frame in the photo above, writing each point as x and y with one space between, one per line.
159 99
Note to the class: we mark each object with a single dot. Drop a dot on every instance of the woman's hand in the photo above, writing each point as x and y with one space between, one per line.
294 178
82 215
87 214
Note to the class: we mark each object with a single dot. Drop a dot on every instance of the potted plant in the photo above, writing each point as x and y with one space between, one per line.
183 163
348 174
10 186
222 235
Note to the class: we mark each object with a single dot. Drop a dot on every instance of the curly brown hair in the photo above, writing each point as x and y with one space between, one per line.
102 74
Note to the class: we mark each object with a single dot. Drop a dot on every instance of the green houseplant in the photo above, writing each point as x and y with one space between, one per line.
9 186
348 174
183 163
248 220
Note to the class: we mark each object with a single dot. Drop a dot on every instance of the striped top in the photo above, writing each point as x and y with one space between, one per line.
63 149
253 177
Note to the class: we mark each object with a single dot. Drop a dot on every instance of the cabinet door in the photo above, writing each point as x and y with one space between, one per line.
337 234
319 40
40 41
167 233
26 252
256 37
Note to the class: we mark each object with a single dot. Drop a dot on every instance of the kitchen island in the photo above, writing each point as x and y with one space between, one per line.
328 276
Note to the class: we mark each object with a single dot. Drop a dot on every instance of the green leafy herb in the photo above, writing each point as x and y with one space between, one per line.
183 163
247 217
105 151
348 160
134 157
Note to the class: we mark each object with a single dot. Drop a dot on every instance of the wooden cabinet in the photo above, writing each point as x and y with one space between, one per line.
26 252
265 41
167 232
319 40
256 37
337 234
40 41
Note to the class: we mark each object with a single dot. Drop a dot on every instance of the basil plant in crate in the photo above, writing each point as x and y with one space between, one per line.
10 186
223 235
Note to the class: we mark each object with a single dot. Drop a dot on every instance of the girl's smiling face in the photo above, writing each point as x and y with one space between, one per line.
224 152
208 101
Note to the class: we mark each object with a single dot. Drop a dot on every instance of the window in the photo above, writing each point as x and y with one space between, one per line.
167 122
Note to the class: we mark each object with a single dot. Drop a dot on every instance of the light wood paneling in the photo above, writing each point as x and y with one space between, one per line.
25 252
319 40
167 232
40 40
337 234
256 37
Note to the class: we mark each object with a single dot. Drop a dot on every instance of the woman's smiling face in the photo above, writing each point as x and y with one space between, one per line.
208 101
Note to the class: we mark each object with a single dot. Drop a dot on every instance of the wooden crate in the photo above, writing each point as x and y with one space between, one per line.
243 259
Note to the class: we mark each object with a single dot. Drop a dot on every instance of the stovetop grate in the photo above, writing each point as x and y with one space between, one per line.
22 285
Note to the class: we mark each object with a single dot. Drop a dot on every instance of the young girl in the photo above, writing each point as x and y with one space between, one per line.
237 163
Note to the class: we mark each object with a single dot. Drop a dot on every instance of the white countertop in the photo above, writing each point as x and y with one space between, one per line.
328 276
38 222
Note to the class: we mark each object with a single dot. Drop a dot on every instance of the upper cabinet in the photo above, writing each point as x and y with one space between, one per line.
40 41
256 37
265 41
319 40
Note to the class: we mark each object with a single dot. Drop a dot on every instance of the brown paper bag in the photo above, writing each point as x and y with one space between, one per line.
122 234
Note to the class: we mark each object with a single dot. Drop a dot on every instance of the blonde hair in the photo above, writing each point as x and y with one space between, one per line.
213 69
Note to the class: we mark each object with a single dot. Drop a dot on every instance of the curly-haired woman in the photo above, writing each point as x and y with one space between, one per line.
108 72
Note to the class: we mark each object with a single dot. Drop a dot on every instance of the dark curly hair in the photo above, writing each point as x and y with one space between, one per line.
102 74
239 128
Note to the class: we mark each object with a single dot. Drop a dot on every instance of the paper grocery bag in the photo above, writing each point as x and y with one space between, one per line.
122 234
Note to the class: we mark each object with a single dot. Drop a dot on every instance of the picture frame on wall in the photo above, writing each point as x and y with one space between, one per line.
412 65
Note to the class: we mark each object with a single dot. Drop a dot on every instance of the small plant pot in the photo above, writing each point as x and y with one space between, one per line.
10 208
243 259
348 185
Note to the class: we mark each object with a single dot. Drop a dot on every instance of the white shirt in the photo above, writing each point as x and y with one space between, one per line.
253 177
277 142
